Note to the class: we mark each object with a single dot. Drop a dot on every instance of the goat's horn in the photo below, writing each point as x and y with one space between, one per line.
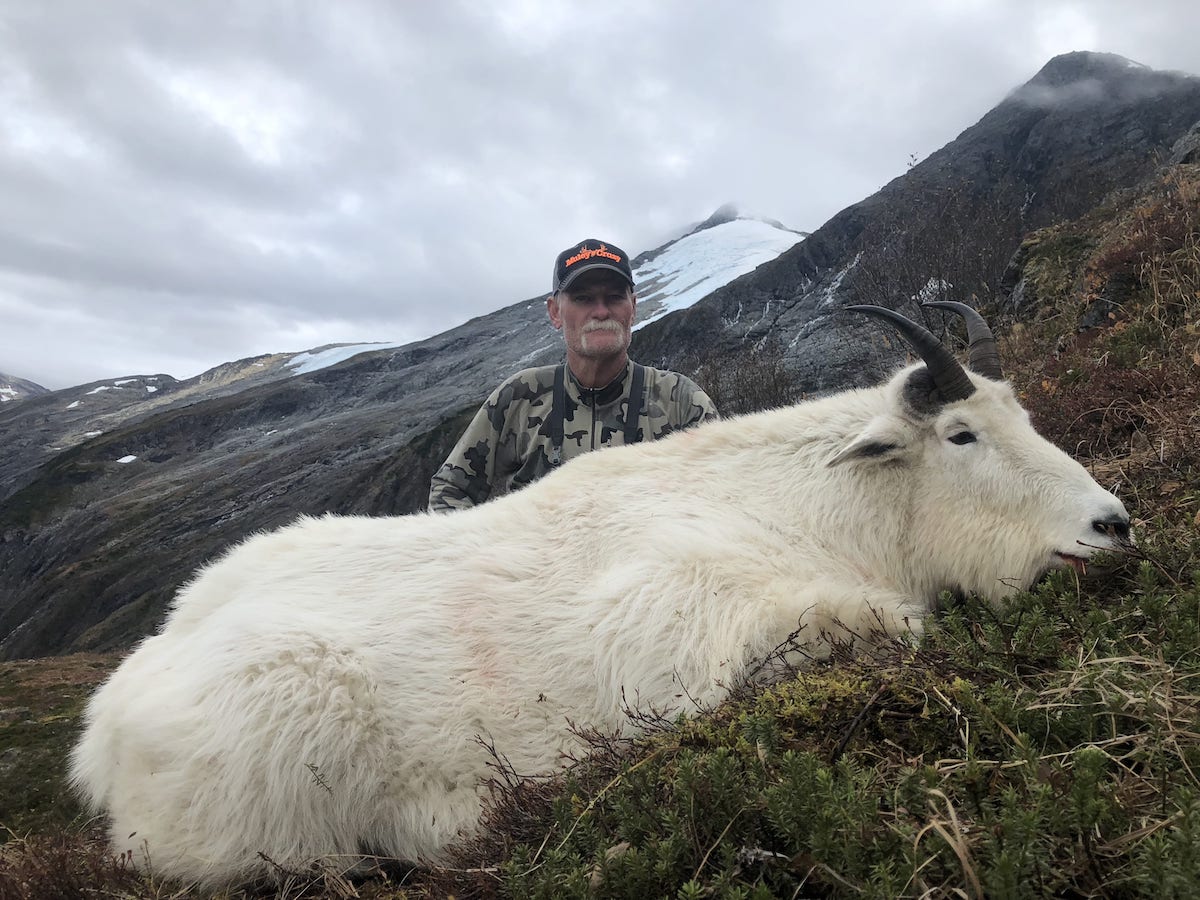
947 373
984 358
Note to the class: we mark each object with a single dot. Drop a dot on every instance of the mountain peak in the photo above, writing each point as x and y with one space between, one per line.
726 212
1086 80
1068 68
14 388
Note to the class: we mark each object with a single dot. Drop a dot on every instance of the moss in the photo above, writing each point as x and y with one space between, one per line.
41 704
1054 260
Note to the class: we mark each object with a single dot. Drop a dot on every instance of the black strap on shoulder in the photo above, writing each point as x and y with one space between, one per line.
558 412
634 412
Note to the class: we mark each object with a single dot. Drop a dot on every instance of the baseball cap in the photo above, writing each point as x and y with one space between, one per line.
587 256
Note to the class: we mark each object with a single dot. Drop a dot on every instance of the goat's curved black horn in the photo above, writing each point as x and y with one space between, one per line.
947 373
984 357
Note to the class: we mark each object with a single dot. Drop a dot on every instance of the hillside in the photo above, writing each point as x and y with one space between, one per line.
1047 748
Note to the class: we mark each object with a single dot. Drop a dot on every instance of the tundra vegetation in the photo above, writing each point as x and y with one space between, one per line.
1048 747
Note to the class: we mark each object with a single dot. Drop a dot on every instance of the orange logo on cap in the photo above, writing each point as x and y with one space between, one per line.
588 253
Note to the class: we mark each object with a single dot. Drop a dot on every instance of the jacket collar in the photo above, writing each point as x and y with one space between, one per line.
602 396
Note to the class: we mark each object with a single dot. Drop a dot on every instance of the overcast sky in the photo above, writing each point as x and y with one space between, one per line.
186 183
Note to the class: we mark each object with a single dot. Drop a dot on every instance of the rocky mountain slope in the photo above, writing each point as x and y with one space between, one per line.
47 423
113 493
669 277
1084 126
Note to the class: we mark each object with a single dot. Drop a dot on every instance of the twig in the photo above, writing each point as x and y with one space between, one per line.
716 843
954 840
856 724
587 809
318 778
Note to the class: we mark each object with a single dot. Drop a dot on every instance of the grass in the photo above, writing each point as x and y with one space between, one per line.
40 706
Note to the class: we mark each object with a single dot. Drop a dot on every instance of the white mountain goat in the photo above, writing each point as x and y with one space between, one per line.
327 689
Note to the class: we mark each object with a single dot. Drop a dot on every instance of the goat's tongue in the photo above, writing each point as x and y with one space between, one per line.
1078 563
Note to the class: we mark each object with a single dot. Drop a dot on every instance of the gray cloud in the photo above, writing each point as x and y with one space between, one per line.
188 183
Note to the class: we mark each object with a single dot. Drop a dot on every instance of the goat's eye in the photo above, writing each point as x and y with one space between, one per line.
963 437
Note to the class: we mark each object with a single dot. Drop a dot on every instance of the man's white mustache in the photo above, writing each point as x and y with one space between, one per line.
608 325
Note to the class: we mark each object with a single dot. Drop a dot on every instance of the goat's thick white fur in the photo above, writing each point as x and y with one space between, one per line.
324 689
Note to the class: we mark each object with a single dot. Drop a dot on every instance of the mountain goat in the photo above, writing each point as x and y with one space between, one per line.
328 688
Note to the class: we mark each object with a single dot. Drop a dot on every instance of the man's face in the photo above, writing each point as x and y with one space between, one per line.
595 314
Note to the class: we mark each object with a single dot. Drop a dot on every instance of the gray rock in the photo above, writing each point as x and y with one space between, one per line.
1186 150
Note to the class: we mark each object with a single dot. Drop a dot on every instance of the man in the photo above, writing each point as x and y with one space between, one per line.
539 418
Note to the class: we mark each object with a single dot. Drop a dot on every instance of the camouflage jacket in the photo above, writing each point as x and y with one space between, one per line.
508 444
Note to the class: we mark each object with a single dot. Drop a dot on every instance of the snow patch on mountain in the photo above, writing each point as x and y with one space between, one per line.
313 360
697 264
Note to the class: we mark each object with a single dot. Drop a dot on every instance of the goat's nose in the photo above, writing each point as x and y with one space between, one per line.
1115 526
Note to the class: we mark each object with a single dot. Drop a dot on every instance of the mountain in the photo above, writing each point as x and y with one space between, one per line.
13 388
35 431
95 537
111 493
1085 125
672 276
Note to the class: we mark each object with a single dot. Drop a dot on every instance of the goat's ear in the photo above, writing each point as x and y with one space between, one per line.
885 439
